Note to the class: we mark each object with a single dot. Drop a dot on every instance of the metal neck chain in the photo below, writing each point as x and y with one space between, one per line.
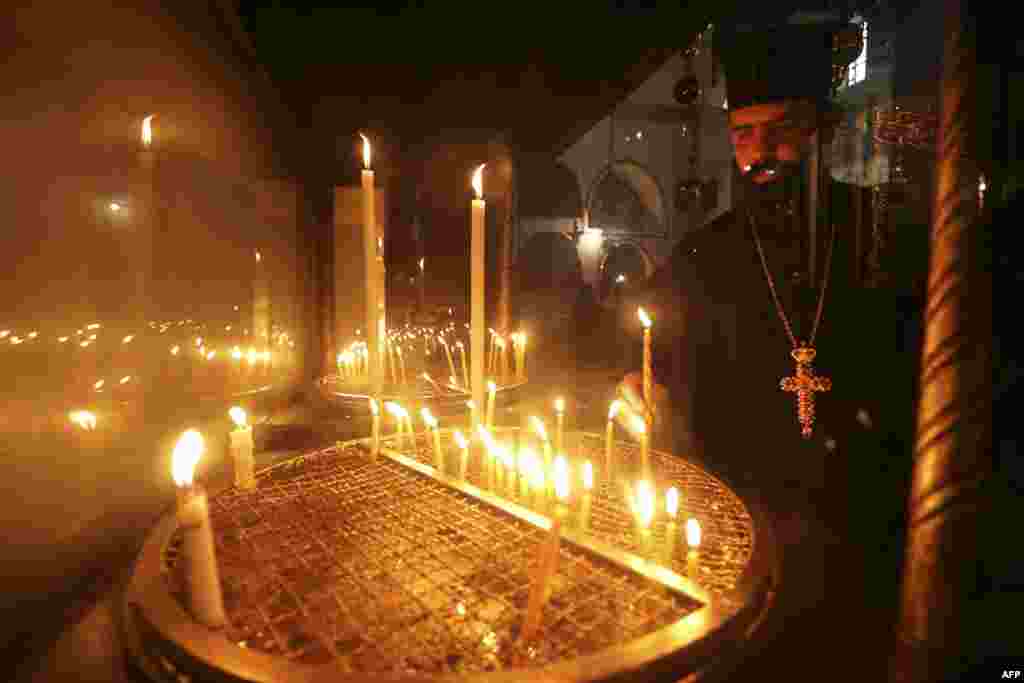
775 296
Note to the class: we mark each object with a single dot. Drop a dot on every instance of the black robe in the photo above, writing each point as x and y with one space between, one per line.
721 350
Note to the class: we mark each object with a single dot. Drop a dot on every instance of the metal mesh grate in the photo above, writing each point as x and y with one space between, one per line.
381 568
727 528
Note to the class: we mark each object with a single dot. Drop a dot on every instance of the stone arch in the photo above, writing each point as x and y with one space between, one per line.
625 197
621 257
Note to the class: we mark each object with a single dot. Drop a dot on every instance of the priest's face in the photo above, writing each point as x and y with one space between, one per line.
770 140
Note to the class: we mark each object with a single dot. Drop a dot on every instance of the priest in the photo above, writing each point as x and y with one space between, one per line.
777 368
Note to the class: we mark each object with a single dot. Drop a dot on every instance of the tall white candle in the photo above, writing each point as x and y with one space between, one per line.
202 582
477 324
242 450
492 389
375 362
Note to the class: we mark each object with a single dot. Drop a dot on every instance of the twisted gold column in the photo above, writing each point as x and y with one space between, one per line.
952 450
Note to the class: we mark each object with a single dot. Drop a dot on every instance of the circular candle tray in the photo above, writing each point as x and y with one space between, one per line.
444 399
341 566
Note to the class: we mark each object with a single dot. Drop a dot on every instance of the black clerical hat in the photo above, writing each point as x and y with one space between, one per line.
770 63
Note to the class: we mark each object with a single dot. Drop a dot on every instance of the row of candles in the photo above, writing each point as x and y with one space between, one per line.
353 363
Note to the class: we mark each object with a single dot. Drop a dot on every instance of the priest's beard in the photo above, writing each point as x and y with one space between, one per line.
780 205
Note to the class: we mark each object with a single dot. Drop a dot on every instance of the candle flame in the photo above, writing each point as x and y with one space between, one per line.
84 344
461 440
126 379
62 339
238 416
84 419
538 427
93 326
421 263
644 318
644 503
33 335
613 409
210 355
478 181
559 405
373 408
147 130
395 409
186 456
128 338
98 385
366 152
174 350
236 353
672 502
693 533
252 356
561 478
429 419
638 425
4 333
492 387
588 476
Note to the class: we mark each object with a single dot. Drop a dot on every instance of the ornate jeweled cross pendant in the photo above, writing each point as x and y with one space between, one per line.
805 383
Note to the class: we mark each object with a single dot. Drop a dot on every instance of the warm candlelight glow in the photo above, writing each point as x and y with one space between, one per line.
644 503
693 533
644 319
84 419
672 502
373 407
421 264
238 416
639 427
236 353
538 427
62 339
428 419
126 379
478 181
186 456
613 409
366 152
461 440
128 339
561 478
175 349
147 130
98 385
588 476
559 405
492 387
210 355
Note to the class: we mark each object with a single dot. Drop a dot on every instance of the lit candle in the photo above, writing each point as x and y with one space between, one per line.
242 450
463 453
547 565
648 374
641 429
588 487
398 413
376 428
609 440
202 582
431 423
559 425
401 361
492 349
693 535
477 263
473 420
462 360
488 455
538 427
448 354
374 361
522 356
526 460
671 509
643 511
492 388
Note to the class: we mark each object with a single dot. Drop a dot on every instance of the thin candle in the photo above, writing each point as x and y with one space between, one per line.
538 428
205 600
640 427
401 361
609 438
643 513
588 489
547 565
376 428
693 539
432 434
462 359
374 361
671 509
648 372
448 355
463 453
242 449
477 312
492 389
559 425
